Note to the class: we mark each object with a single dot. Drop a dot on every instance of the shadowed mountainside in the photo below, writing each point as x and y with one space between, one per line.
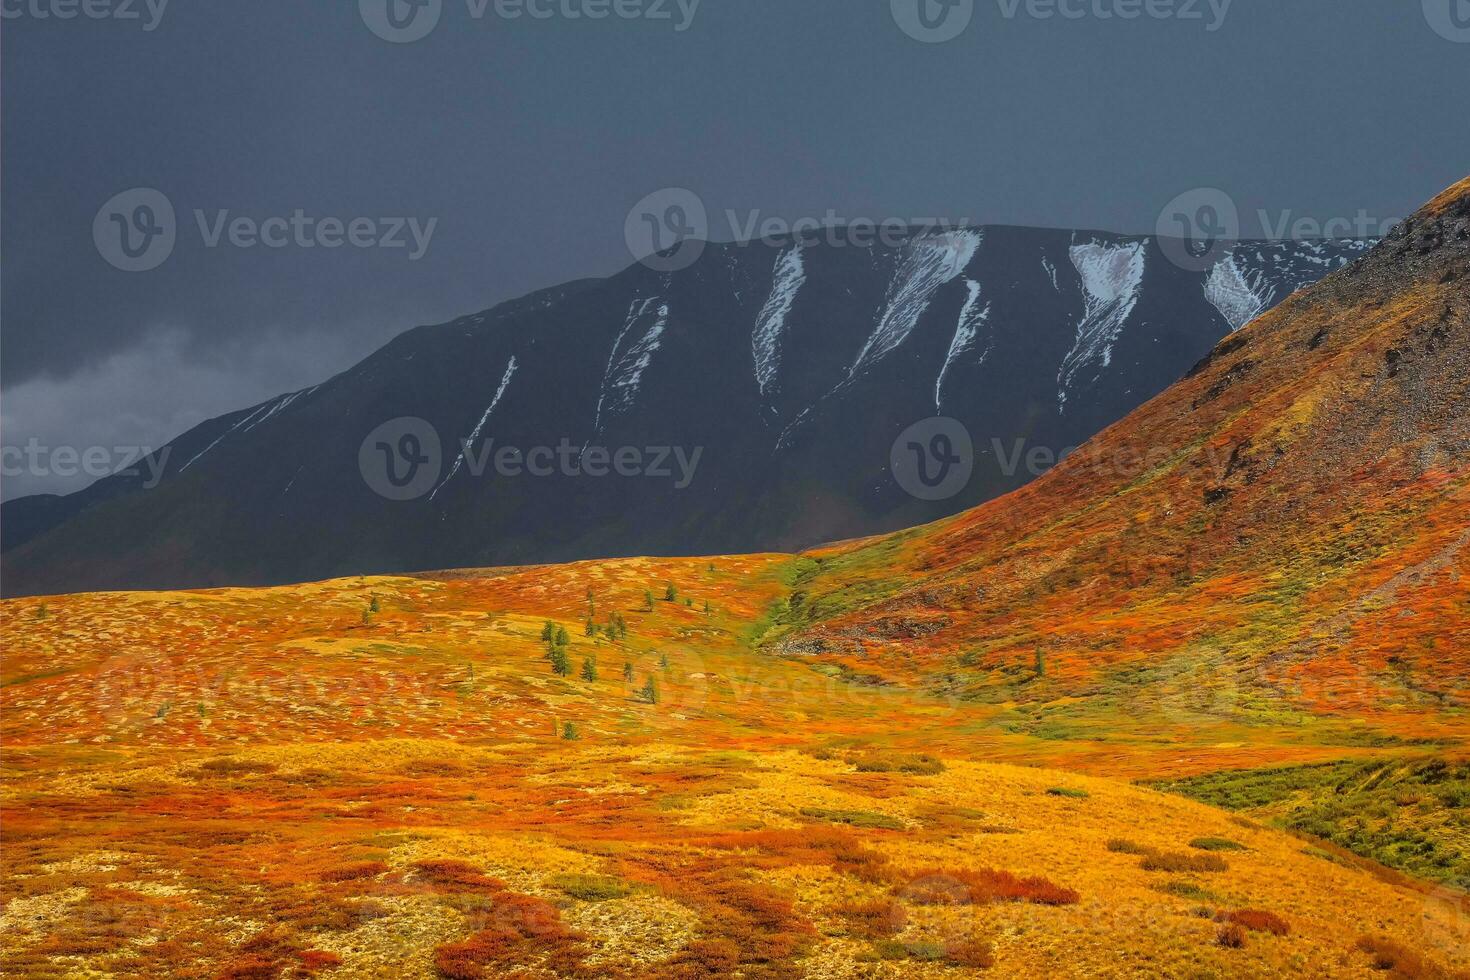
782 372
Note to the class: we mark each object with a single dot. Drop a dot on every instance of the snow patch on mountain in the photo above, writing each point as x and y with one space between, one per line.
972 318
928 262
1112 280
640 338
510 370
276 408
925 263
1240 296
769 336
262 413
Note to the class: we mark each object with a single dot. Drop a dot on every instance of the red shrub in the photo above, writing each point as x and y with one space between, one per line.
318 959
975 953
1231 937
456 874
874 920
251 968
1400 961
1256 920
984 887
705 958
522 927
816 845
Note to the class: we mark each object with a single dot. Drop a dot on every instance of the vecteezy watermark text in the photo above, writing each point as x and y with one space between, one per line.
36 459
1211 13
137 230
1198 227
147 13
937 21
669 229
936 458
403 459
406 21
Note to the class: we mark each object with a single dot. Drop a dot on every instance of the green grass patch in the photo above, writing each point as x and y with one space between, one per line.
916 765
1189 890
1409 815
591 888
853 818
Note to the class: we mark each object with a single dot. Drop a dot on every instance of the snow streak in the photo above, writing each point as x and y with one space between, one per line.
770 326
928 262
510 370
925 263
640 339
1112 279
972 318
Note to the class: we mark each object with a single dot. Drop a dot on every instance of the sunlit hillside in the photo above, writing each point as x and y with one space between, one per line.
1281 536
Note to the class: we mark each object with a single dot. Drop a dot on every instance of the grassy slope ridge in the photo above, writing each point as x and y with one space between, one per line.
1280 537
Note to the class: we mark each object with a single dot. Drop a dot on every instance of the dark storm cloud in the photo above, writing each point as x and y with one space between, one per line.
527 140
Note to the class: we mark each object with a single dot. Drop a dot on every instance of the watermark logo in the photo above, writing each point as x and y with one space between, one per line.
401 21
135 231
35 459
933 459
1198 227
406 21
1449 18
302 230
401 459
667 231
1211 13
933 21
120 10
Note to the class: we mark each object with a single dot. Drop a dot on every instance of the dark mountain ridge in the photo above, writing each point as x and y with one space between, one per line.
755 397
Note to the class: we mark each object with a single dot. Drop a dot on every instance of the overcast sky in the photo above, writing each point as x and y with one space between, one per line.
526 141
